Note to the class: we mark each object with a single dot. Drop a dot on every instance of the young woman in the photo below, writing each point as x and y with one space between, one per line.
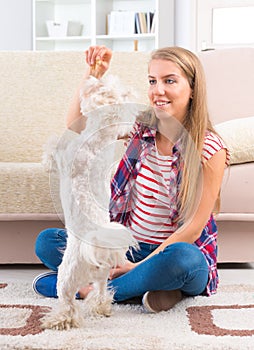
166 194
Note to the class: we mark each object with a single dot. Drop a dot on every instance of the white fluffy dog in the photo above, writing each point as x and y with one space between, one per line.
84 164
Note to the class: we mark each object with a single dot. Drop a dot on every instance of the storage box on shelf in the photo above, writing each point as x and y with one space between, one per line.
64 28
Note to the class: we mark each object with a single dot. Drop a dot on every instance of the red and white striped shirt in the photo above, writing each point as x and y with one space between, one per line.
213 144
153 200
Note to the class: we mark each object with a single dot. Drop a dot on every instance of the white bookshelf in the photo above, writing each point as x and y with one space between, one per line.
92 15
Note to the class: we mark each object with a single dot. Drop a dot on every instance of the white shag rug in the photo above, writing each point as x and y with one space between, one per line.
224 321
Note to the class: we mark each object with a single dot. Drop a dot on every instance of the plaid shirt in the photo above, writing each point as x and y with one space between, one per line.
121 190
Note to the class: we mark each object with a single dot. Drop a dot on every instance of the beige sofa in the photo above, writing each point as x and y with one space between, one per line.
35 91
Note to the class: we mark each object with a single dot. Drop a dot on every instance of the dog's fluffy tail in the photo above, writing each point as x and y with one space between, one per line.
107 245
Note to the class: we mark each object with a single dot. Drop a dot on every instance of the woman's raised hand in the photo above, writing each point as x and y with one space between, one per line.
98 58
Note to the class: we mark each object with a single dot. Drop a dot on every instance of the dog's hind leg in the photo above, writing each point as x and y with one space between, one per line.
99 300
67 314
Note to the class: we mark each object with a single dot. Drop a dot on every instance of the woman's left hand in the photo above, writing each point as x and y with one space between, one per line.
120 270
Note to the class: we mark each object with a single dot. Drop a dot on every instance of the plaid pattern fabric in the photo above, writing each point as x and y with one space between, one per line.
126 173
207 243
121 188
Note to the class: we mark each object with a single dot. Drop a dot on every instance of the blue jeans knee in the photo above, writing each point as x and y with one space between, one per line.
49 247
190 264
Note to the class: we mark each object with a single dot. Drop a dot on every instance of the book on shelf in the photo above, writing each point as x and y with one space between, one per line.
153 23
137 24
144 21
150 21
121 22
130 22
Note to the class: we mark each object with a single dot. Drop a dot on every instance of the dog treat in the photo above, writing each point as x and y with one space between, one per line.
98 61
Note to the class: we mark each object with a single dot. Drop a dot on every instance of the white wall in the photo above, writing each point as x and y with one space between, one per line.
165 27
185 23
16 26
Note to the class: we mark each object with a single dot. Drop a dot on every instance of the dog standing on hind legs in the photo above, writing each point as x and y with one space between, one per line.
94 245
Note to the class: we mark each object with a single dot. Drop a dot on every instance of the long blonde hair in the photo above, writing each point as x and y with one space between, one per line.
196 123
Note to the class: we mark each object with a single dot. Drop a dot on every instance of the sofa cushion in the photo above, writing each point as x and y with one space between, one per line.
239 137
237 195
26 188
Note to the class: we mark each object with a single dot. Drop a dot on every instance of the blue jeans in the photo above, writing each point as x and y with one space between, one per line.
179 266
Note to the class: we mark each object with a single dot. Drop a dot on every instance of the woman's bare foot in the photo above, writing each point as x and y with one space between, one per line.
84 291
